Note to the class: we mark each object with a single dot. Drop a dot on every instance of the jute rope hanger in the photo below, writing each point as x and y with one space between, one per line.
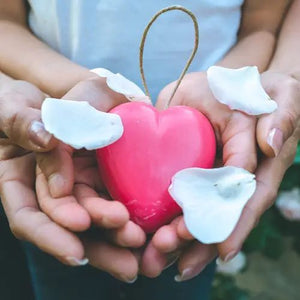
142 46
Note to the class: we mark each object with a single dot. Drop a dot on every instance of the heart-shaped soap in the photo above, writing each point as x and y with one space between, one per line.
138 168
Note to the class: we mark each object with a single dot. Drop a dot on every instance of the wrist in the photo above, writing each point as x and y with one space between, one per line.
58 84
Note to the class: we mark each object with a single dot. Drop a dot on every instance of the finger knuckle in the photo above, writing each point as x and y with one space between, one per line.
16 229
253 214
289 152
11 124
290 119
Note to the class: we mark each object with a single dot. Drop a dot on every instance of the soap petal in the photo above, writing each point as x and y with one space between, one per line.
212 200
101 72
122 85
240 89
80 125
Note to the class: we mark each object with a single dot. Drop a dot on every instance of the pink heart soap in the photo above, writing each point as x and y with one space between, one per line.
138 168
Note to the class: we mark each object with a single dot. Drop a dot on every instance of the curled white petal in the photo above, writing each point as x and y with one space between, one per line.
234 266
240 89
212 200
288 202
101 72
122 85
80 125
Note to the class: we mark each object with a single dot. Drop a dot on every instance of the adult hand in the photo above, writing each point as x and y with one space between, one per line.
76 209
278 135
17 190
235 134
20 115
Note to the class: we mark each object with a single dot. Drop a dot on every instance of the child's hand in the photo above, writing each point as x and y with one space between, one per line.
235 131
79 193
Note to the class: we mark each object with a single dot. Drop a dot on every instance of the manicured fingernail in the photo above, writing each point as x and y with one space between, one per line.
189 273
56 183
130 281
275 140
227 258
38 134
75 262
124 278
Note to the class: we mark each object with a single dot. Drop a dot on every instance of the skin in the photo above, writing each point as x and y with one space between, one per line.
55 183
269 173
47 223
282 83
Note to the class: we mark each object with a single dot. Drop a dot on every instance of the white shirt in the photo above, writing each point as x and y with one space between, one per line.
107 33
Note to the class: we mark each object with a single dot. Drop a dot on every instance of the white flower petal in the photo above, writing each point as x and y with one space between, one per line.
122 85
212 200
101 72
288 202
234 266
80 125
240 89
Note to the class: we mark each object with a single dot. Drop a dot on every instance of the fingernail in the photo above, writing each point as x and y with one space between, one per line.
38 134
227 258
130 281
275 140
56 184
125 278
75 262
189 273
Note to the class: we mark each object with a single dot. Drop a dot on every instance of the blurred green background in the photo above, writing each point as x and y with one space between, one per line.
272 271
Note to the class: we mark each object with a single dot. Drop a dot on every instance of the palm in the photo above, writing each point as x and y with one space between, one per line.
231 127
235 134
35 218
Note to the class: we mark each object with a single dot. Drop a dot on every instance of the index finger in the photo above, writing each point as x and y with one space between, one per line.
239 142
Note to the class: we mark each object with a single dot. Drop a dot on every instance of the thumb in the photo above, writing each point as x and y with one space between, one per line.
20 122
274 129
164 96
238 139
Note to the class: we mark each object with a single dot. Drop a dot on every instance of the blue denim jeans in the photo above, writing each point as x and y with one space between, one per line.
55 281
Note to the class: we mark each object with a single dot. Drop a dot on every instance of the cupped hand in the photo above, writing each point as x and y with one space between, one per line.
235 135
277 135
20 104
59 166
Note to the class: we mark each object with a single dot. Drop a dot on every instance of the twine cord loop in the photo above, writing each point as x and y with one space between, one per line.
142 46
